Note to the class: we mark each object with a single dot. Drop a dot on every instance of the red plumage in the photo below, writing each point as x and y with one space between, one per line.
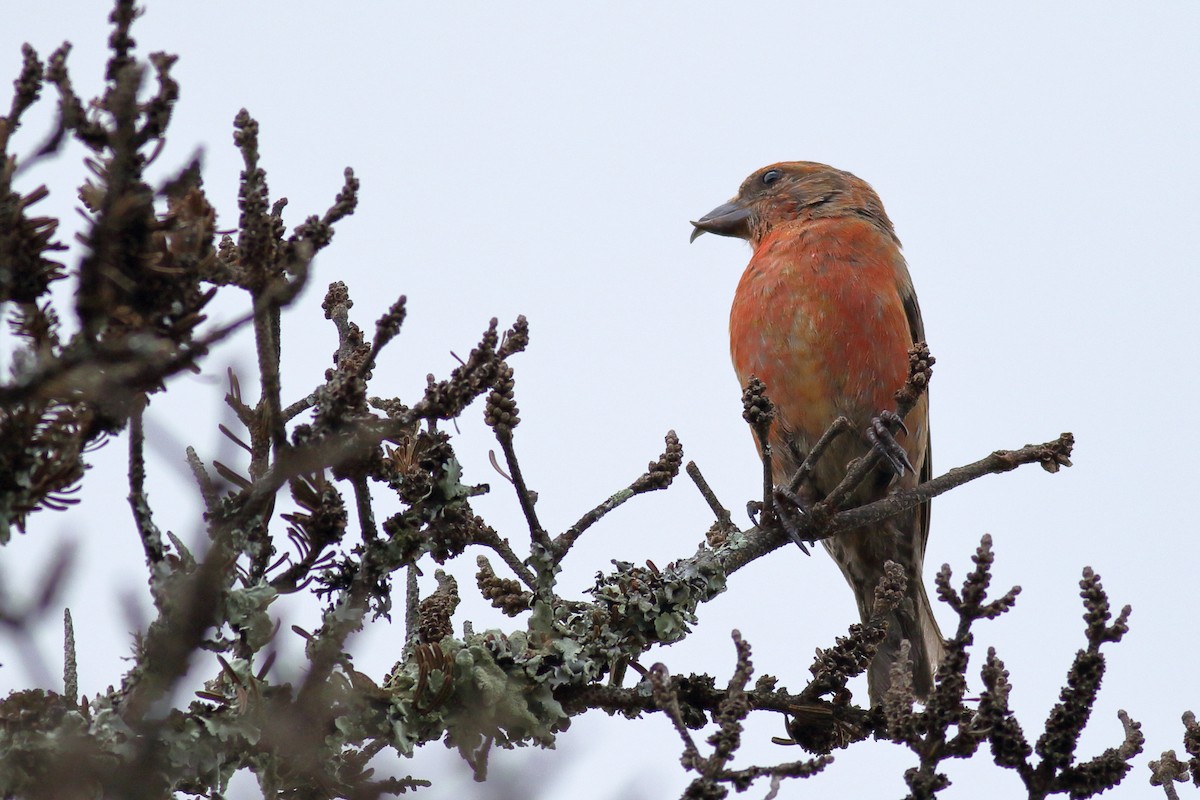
824 315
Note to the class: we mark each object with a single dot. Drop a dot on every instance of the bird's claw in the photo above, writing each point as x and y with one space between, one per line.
881 438
789 506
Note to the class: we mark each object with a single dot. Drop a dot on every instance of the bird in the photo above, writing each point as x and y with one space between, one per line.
824 315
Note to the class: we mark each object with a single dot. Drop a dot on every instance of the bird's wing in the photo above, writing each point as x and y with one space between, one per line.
917 327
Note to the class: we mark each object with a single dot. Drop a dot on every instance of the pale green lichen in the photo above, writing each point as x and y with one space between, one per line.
246 610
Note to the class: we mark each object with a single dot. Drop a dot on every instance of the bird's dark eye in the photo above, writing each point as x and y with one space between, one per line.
770 176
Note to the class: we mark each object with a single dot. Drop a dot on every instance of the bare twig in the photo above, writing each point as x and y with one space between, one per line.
148 532
412 599
386 329
366 512
759 412
666 699
525 497
658 476
70 665
489 538
300 406
722 514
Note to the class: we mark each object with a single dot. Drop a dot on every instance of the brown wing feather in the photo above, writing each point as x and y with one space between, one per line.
917 326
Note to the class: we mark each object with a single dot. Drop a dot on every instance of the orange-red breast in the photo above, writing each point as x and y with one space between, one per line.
824 315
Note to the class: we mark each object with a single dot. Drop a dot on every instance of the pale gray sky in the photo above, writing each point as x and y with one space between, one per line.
1040 163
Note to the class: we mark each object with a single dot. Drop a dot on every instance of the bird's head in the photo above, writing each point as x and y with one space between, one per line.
792 190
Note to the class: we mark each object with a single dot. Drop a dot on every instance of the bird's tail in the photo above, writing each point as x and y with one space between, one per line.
913 621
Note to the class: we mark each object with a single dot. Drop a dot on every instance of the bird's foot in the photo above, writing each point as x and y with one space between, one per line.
881 438
789 509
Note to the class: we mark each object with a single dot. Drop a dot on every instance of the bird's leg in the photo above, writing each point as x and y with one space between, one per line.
879 435
808 463
793 501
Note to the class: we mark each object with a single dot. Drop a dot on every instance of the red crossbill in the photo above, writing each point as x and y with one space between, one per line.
824 315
